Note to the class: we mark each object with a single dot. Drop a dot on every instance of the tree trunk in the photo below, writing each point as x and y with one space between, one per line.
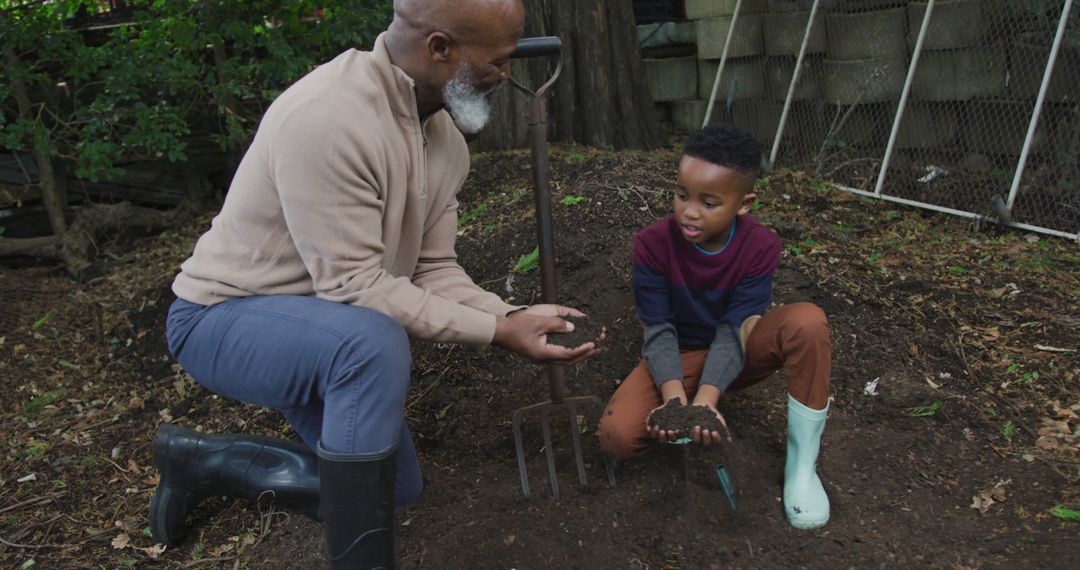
601 99
46 174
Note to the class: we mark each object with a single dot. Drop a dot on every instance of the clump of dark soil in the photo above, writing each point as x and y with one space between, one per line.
675 415
585 330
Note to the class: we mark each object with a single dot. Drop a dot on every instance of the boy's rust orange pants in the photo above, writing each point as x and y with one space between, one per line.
792 337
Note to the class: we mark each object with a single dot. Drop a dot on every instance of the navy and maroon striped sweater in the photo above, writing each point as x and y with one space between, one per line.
690 299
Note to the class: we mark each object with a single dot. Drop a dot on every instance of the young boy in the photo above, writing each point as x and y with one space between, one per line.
702 281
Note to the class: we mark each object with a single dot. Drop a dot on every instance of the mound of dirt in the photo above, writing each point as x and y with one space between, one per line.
947 443
585 330
676 416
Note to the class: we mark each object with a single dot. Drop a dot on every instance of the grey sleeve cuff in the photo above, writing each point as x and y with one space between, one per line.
661 352
725 359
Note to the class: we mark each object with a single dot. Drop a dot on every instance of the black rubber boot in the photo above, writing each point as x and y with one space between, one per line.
194 466
358 507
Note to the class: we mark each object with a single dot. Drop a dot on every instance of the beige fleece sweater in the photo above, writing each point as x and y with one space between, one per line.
345 195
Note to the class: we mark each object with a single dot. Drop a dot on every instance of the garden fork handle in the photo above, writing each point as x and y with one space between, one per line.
544 226
537 47
537 120
542 199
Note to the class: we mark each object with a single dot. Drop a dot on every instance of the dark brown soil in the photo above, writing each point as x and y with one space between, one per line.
585 330
957 459
678 417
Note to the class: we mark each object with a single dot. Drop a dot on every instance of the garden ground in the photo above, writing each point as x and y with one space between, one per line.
953 438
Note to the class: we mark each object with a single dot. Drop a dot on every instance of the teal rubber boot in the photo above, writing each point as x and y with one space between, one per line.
805 501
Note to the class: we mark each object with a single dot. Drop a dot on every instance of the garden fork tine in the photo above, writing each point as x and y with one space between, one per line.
558 403
532 47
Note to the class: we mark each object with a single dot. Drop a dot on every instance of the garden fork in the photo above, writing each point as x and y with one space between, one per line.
559 402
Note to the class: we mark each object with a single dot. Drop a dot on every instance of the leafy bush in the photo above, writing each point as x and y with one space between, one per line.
93 89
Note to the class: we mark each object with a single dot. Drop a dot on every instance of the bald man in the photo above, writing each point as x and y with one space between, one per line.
334 248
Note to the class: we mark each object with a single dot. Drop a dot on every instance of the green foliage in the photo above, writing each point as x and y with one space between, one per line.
1065 513
47 399
518 193
573 200
527 262
160 73
41 322
834 141
36 450
476 213
926 411
805 246
1009 430
244 54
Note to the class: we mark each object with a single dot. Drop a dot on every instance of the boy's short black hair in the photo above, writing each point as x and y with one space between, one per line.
726 145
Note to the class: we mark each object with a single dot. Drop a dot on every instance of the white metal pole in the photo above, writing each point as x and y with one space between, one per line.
1047 74
791 88
903 99
723 60
960 213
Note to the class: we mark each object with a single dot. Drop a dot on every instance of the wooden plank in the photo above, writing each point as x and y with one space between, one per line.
39 246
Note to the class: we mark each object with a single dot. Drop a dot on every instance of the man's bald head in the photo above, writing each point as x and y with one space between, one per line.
437 42
466 20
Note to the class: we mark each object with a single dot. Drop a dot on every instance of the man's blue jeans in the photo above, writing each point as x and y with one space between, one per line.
338 373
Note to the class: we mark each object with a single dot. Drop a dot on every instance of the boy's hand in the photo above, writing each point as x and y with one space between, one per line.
525 332
707 396
708 437
663 436
672 390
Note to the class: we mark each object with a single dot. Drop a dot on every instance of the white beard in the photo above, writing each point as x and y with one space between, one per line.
467 105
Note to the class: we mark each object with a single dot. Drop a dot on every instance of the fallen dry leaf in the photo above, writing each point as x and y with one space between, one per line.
121 541
1062 411
981 503
153 551
987 497
1047 443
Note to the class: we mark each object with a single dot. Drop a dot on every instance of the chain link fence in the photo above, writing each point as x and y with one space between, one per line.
922 102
